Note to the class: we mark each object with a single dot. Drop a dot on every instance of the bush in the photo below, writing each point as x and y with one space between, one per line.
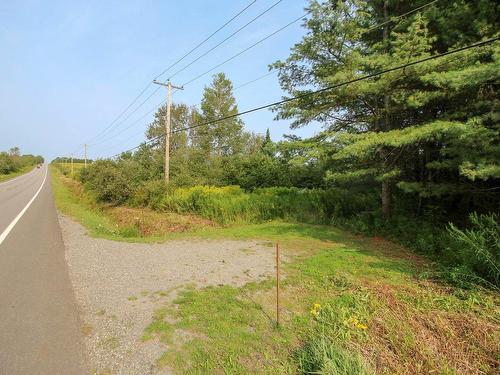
7 164
479 246
107 182
149 194
231 204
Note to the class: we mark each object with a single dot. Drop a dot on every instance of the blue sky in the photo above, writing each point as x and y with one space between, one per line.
68 68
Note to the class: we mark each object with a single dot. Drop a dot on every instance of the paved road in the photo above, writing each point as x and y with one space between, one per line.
39 326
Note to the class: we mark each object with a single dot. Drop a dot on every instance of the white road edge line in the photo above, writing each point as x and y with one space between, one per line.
18 217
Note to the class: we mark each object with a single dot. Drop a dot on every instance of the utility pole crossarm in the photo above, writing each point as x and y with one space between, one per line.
169 86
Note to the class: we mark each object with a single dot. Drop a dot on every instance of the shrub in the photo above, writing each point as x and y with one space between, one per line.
479 246
231 204
7 164
13 162
107 182
149 194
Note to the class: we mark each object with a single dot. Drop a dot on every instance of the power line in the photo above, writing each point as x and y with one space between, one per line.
257 43
218 65
168 68
226 39
163 102
245 50
130 125
255 80
311 93
205 40
392 19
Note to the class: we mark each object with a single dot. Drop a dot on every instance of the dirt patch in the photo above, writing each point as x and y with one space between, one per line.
120 285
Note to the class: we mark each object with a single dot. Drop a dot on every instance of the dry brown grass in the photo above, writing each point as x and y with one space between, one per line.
145 220
407 340
152 223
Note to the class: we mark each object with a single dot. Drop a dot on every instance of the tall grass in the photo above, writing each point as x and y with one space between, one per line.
231 204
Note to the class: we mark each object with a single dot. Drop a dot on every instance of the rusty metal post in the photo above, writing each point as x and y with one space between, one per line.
277 284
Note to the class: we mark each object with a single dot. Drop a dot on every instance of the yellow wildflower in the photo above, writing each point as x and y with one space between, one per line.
315 309
361 326
352 321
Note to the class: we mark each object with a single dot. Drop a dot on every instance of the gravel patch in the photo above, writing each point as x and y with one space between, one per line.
119 285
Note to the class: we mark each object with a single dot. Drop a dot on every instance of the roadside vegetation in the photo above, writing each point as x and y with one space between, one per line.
350 305
13 164
410 157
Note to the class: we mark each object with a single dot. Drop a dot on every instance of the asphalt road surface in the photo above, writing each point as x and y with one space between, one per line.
39 324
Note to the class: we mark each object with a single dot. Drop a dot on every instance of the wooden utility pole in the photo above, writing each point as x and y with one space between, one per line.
85 148
166 169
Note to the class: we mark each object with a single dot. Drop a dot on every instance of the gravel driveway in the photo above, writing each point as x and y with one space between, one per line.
119 285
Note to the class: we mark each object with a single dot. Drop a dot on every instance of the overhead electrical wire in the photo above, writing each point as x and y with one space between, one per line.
226 39
171 66
392 19
213 68
328 88
197 59
245 50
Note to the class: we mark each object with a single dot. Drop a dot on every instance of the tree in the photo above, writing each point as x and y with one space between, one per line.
15 151
222 138
417 129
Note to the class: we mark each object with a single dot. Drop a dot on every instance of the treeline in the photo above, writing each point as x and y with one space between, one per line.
401 155
12 161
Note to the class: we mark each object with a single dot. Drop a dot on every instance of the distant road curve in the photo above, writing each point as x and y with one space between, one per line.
39 324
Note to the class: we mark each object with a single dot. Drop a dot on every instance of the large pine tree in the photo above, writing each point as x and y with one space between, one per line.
416 129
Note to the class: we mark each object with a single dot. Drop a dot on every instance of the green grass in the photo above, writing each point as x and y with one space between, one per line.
23 170
376 315
73 201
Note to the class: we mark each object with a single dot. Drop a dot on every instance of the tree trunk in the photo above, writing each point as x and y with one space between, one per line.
387 199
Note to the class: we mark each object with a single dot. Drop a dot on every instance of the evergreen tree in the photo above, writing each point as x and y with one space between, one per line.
222 138
417 128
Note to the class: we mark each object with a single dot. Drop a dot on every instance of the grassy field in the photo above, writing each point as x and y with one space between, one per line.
6 177
350 304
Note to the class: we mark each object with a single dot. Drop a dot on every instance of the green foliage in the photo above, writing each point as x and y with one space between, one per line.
432 126
231 204
480 246
220 138
13 161
423 141
107 182
319 355
149 194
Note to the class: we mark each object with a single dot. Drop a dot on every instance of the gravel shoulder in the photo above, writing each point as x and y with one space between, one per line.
119 285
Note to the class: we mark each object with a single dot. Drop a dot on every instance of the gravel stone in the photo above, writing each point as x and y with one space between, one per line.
119 285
